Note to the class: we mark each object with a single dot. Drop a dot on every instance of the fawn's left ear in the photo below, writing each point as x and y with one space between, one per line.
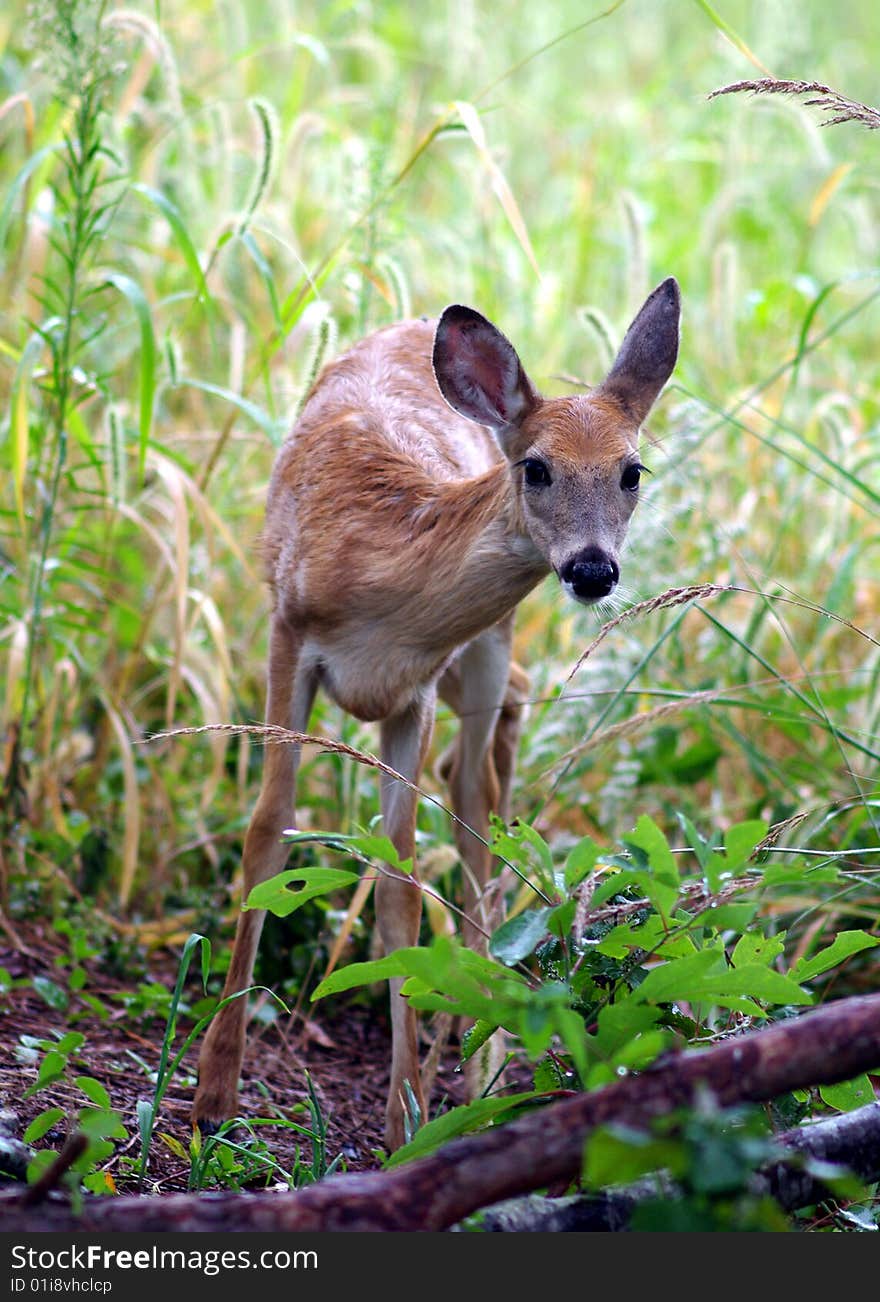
478 370
648 353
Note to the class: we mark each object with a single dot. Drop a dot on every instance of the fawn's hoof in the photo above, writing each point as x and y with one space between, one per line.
211 1109
206 1126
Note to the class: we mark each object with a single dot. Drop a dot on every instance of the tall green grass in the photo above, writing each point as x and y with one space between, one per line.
263 183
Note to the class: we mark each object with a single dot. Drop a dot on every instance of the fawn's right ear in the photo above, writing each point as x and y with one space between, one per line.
478 371
648 353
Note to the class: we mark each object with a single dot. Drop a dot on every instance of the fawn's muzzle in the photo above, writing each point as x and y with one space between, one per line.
591 575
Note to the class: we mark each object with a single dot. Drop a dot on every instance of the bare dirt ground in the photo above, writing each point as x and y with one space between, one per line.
344 1047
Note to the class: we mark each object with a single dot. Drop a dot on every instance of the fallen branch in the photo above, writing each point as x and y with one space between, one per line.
850 1142
74 1147
832 1043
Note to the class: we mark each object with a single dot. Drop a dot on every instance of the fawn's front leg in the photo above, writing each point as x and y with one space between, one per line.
291 694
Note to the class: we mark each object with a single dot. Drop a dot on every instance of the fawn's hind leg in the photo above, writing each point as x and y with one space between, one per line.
405 740
487 692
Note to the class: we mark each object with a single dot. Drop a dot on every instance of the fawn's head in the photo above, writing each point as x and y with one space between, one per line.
574 460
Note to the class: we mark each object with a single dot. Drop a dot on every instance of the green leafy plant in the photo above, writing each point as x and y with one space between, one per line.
95 1119
628 954
238 1157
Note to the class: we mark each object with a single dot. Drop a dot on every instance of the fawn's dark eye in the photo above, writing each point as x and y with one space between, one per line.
535 472
629 480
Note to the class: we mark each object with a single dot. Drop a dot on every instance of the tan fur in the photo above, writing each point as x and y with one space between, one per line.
400 536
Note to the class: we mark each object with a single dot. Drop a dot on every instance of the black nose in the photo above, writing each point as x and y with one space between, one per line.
591 575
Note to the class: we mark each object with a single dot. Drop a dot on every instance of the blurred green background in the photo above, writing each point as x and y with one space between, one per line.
271 180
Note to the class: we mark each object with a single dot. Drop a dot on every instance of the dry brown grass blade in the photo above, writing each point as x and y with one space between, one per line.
358 900
132 829
274 735
474 126
671 597
822 97
635 724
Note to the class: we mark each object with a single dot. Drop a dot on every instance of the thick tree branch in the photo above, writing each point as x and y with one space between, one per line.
850 1141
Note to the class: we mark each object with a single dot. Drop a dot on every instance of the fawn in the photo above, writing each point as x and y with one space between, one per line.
424 490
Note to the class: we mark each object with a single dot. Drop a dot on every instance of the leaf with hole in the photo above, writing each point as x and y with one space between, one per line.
282 897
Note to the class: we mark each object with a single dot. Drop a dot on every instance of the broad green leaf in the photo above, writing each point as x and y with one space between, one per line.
650 935
716 871
99 1123
648 837
656 891
366 845
475 1037
561 919
580 861
281 898
642 1050
517 938
663 896
70 1042
849 1094
364 974
681 978
51 1069
619 1023
569 1026
536 1020
754 947
616 884
39 1163
523 845
53 994
99 1150
618 1155
729 917
741 840
799 874
42 1124
844 944
458 1121
756 982
373 846
94 1090
704 976
548 1077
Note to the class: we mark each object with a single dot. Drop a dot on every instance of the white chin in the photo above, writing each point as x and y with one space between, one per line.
581 601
